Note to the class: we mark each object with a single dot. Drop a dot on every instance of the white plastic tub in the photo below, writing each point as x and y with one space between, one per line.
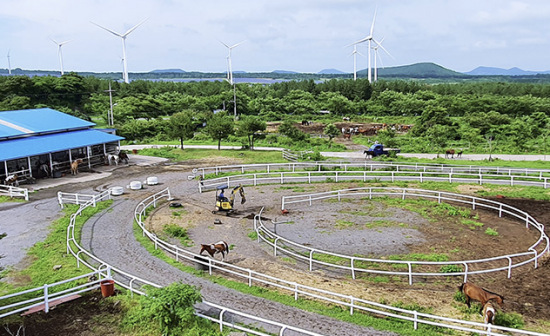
117 191
152 180
135 185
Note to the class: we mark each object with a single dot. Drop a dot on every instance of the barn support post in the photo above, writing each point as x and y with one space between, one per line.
88 152
29 165
6 168
70 157
51 164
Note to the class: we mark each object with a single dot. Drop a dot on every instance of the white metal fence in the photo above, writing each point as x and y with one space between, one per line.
344 166
299 290
49 293
12 191
81 199
354 264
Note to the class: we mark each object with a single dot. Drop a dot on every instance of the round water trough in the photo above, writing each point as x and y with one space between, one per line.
117 191
152 180
135 185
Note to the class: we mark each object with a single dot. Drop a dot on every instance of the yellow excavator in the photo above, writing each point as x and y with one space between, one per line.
225 205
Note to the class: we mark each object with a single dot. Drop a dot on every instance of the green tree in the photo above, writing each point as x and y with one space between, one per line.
252 128
181 126
288 129
331 131
438 135
219 127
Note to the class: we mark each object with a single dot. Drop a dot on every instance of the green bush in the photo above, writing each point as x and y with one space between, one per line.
169 310
510 320
491 232
450 269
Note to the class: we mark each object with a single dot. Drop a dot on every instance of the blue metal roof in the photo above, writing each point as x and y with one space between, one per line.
35 121
50 143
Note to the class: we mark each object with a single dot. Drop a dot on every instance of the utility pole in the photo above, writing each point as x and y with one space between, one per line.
110 116
234 102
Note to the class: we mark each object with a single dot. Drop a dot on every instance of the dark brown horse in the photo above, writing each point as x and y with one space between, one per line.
477 293
489 313
212 249
450 152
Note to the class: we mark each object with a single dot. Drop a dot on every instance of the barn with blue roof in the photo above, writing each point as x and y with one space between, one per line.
38 142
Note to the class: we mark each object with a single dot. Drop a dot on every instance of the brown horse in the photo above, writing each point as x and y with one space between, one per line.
474 292
11 180
489 313
74 166
212 249
459 154
347 136
450 152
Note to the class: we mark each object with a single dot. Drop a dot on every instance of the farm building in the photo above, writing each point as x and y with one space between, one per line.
41 142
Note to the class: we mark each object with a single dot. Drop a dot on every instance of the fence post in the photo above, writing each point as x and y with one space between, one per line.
311 260
46 302
415 320
351 304
352 259
410 274
465 272
221 320
295 291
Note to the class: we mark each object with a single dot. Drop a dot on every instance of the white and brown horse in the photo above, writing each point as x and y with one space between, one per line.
11 180
473 292
212 249
74 166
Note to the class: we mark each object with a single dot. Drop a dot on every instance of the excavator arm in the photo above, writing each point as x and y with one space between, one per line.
240 189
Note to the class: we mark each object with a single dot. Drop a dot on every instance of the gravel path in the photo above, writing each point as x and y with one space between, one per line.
109 236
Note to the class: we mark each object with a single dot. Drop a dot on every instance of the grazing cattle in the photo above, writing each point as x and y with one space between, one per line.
74 166
473 292
45 170
450 152
11 180
347 136
489 313
212 249
345 119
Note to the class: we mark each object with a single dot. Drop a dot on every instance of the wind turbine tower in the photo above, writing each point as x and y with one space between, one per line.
354 53
60 53
9 64
123 37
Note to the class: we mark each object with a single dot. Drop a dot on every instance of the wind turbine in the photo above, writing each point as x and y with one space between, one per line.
60 53
123 37
369 39
230 75
354 53
9 64
376 55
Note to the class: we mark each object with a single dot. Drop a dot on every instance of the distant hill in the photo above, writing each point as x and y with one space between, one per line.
492 71
331 72
284 72
168 71
417 70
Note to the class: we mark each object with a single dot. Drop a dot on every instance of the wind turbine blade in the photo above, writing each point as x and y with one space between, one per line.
54 41
62 43
107 29
132 29
381 46
360 41
372 26
228 47
238 44
380 59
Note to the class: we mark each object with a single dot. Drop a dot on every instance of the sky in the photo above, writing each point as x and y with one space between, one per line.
293 35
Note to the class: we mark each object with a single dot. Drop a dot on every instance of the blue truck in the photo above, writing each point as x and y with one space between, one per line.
378 150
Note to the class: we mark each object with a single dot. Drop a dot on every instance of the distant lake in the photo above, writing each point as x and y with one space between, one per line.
236 80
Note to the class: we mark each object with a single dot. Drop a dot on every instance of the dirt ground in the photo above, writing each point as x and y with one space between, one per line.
346 228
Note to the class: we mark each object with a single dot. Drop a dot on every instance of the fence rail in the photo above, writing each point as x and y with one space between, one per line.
12 192
371 166
375 175
414 268
81 199
45 295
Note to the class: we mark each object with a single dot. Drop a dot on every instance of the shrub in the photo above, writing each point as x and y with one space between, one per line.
450 269
169 310
510 320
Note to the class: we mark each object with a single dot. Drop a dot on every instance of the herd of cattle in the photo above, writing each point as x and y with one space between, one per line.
372 129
